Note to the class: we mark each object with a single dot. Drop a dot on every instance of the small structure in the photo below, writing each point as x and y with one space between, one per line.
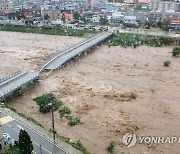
175 24
130 21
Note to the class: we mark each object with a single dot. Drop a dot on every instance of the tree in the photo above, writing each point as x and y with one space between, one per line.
176 51
147 25
46 101
103 20
76 16
25 144
159 24
165 25
46 17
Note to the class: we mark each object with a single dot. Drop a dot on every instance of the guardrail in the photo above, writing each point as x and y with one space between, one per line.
95 38
4 94
9 76
66 51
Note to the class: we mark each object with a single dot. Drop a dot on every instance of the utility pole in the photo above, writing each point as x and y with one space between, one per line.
52 111
40 149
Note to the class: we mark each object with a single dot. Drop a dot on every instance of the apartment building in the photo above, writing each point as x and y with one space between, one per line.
98 3
73 5
4 4
164 10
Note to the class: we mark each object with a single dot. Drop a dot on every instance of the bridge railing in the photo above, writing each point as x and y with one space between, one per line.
10 76
68 50
11 91
82 48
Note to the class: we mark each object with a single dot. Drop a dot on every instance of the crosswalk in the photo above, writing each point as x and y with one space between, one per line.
5 120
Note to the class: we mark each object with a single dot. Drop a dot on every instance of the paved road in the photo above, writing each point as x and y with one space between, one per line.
58 60
41 145
16 81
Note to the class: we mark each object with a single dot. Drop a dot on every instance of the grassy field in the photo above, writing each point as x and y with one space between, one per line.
132 40
54 31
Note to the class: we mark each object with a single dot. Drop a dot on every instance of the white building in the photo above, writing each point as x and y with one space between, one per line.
164 6
73 5
3 4
164 10
98 3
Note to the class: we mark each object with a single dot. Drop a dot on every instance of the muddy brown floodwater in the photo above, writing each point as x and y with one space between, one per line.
112 90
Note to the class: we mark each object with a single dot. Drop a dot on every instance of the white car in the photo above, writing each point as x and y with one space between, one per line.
6 136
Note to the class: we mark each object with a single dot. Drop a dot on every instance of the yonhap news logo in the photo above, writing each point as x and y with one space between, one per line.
130 140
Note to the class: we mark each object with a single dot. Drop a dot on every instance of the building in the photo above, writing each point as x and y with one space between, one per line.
130 21
138 1
164 6
163 10
174 24
3 4
98 3
73 5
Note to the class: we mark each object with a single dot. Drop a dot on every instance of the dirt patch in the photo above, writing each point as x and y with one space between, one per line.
127 96
83 109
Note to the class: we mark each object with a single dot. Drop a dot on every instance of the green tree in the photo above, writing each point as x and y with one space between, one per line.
64 111
76 16
147 25
176 51
25 144
46 101
103 20
46 17
159 24
165 25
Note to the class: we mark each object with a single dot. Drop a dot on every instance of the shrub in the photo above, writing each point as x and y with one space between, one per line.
111 146
47 102
135 40
64 111
55 31
24 116
176 51
167 63
77 145
73 121
125 40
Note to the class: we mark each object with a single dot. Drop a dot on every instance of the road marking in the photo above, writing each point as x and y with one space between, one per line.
5 120
20 127
31 140
36 132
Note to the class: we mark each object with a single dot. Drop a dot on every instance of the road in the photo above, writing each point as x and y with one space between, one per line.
40 144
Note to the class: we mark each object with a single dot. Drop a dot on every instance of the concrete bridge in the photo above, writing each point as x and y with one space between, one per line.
60 59
11 83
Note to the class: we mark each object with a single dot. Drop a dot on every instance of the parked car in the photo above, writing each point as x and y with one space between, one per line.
6 137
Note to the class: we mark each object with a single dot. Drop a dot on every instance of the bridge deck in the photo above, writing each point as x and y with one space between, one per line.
7 87
58 60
